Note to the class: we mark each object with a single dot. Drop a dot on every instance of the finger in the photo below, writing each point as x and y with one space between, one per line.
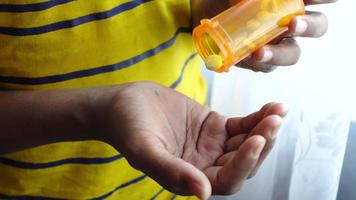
268 128
239 125
234 142
313 24
173 173
257 65
222 160
228 179
285 53
313 2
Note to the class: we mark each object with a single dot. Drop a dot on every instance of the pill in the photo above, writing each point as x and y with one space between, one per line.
213 62
253 24
263 15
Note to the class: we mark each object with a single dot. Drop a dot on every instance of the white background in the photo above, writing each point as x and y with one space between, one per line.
323 81
324 78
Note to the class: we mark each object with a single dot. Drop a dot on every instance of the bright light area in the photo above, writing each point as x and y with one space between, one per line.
328 65
323 80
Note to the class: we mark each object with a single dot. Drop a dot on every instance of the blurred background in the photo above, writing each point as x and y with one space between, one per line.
308 161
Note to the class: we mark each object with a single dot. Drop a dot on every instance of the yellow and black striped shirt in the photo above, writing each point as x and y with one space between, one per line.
56 44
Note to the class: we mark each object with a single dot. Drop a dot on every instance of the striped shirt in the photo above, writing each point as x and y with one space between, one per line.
57 44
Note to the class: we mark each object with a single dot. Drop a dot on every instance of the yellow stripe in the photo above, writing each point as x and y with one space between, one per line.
164 68
42 55
89 174
64 150
193 84
21 1
62 12
165 195
91 45
142 190
186 198
67 181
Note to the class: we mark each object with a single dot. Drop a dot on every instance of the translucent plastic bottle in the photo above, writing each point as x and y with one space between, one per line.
242 29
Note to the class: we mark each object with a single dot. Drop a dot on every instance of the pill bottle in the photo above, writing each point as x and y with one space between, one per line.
231 36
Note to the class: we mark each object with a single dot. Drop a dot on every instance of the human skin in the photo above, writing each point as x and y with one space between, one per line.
186 147
283 51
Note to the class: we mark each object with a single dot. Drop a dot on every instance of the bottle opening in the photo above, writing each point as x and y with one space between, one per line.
207 42
211 43
214 56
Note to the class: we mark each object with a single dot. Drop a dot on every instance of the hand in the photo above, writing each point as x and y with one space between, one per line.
187 148
283 51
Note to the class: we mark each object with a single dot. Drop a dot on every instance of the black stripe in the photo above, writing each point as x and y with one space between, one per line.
121 186
32 7
157 194
96 161
176 83
27 165
24 197
174 197
94 71
73 22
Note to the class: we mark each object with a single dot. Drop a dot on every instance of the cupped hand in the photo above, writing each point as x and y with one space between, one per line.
184 146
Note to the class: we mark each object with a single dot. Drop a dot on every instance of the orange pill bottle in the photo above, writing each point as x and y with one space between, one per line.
231 36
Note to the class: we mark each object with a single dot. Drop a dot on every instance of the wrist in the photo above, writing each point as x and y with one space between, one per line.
100 113
79 115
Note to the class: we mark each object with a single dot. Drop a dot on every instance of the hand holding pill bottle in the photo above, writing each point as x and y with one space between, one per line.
242 29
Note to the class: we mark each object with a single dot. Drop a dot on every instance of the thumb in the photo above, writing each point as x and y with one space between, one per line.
175 174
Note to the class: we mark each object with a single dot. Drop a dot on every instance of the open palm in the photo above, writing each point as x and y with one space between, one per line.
186 147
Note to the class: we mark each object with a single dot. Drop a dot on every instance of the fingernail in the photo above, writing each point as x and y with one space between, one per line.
261 141
301 26
267 55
